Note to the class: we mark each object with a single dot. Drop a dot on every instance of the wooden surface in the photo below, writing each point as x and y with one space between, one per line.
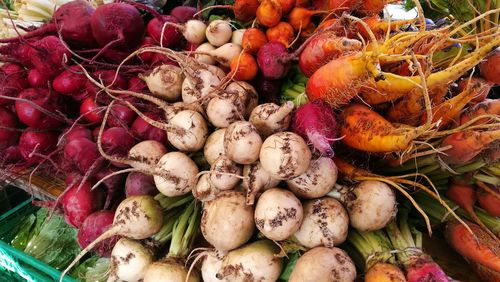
41 186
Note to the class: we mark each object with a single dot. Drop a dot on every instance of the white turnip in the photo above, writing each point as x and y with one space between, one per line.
242 142
146 154
190 131
225 53
278 214
324 265
285 155
228 178
256 180
218 32
129 260
325 224
169 270
204 190
237 37
210 267
227 222
200 54
214 147
257 261
317 181
224 109
165 82
198 85
179 174
270 118
247 94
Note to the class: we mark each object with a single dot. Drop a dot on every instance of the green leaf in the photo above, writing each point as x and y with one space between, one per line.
289 266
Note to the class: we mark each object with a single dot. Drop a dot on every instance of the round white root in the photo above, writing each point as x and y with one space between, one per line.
317 181
203 83
189 131
177 107
285 155
179 174
204 190
225 53
210 267
214 147
218 32
257 261
227 222
129 260
256 180
325 224
170 270
237 37
146 154
205 59
224 109
324 265
278 214
371 205
165 82
226 180
194 31
270 118
247 93
242 142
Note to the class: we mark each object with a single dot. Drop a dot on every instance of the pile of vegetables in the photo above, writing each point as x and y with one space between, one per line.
259 140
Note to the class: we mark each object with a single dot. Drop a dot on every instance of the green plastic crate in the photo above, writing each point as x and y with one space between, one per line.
16 265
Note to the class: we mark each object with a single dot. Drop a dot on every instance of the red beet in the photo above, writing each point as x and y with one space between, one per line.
316 123
117 141
48 55
112 185
488 202
171 37
183 13
273 60
69 81
90 111
81 154
490 67
13 80
142 130
36 142
92 227
78 204
31 116
107 78
38 79
118 26
140 184
136 84
121 115
7 137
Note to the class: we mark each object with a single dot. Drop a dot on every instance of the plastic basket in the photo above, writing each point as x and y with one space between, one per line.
16 265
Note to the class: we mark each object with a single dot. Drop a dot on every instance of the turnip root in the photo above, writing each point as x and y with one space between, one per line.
324 265
317 181
257 261
210 267
165 82
197 87
194 31
175 108
247 94
371 205
214 147
224 109
190 131
227 214
242 142
256 180
137 217
169 270
179 176
146 154
285 155
227 180
225 53
204 189
201 57
130 260
270 118
278 214
218 32
237 37
325 224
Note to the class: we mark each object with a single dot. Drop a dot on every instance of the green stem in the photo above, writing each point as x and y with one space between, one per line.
184 231
168 203
470 167
487 179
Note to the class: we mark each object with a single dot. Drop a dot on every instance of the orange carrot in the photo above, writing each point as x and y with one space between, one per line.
282 32
244 67
366 130
467 144
323 48
269 13
253 39
348 170
481 248
384 272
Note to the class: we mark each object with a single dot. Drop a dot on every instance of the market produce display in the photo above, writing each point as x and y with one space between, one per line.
254 140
